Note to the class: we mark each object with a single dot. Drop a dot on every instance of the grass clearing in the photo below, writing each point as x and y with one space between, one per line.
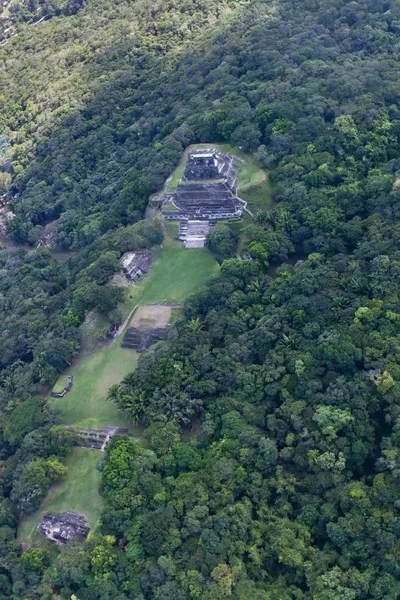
176 273
86 405
78 492
258 197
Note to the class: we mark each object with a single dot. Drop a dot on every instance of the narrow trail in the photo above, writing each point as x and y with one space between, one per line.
125 323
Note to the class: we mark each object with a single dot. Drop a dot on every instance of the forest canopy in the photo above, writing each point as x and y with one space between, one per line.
270 469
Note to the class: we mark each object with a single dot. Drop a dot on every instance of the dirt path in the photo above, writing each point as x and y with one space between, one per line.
125 323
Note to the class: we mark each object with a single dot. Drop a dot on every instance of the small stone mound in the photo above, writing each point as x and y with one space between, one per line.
141 340
136 264
60 528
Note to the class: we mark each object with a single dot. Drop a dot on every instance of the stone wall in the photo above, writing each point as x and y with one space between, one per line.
142 340
60 528
97 439
66 389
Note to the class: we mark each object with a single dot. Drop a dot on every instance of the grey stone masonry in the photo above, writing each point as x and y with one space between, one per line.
60 528
207 189
193 233
135 264
67 388
97 439
142 340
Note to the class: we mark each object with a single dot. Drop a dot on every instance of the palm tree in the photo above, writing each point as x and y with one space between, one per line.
195 325
258 286
264 217
288 341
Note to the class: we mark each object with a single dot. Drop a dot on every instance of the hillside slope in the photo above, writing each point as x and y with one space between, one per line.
271 416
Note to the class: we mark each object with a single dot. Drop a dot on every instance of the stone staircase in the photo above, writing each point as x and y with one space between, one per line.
193 233
142 340
194 243
97 439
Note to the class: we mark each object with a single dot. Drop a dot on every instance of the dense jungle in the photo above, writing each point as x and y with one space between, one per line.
270 462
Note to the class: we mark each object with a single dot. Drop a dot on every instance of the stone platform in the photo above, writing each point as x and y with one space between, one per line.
193 233
207 190
60 528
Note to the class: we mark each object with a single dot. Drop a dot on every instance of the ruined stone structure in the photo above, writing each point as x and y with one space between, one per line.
60 528
97 439
203 165
67 388
207 190
135 264
193 233
141 340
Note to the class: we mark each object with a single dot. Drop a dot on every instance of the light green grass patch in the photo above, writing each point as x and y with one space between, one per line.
177 272
78 492
258 197
86 405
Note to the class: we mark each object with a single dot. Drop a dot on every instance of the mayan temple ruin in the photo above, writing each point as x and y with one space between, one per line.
136 264
61 528
205 194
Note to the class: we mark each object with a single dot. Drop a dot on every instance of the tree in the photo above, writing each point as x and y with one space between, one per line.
30 485
35 560
102 270
247 136
5 182
107 297
26 416
222 241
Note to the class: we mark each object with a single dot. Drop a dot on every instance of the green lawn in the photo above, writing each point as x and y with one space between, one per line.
258 196
78 492
176 273
86 405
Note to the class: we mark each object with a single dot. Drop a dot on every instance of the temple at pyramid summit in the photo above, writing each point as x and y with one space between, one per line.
207 192
207 189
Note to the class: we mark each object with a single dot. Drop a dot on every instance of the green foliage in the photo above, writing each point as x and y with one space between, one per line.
25 417
35 560
284 482
31 484
222 241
